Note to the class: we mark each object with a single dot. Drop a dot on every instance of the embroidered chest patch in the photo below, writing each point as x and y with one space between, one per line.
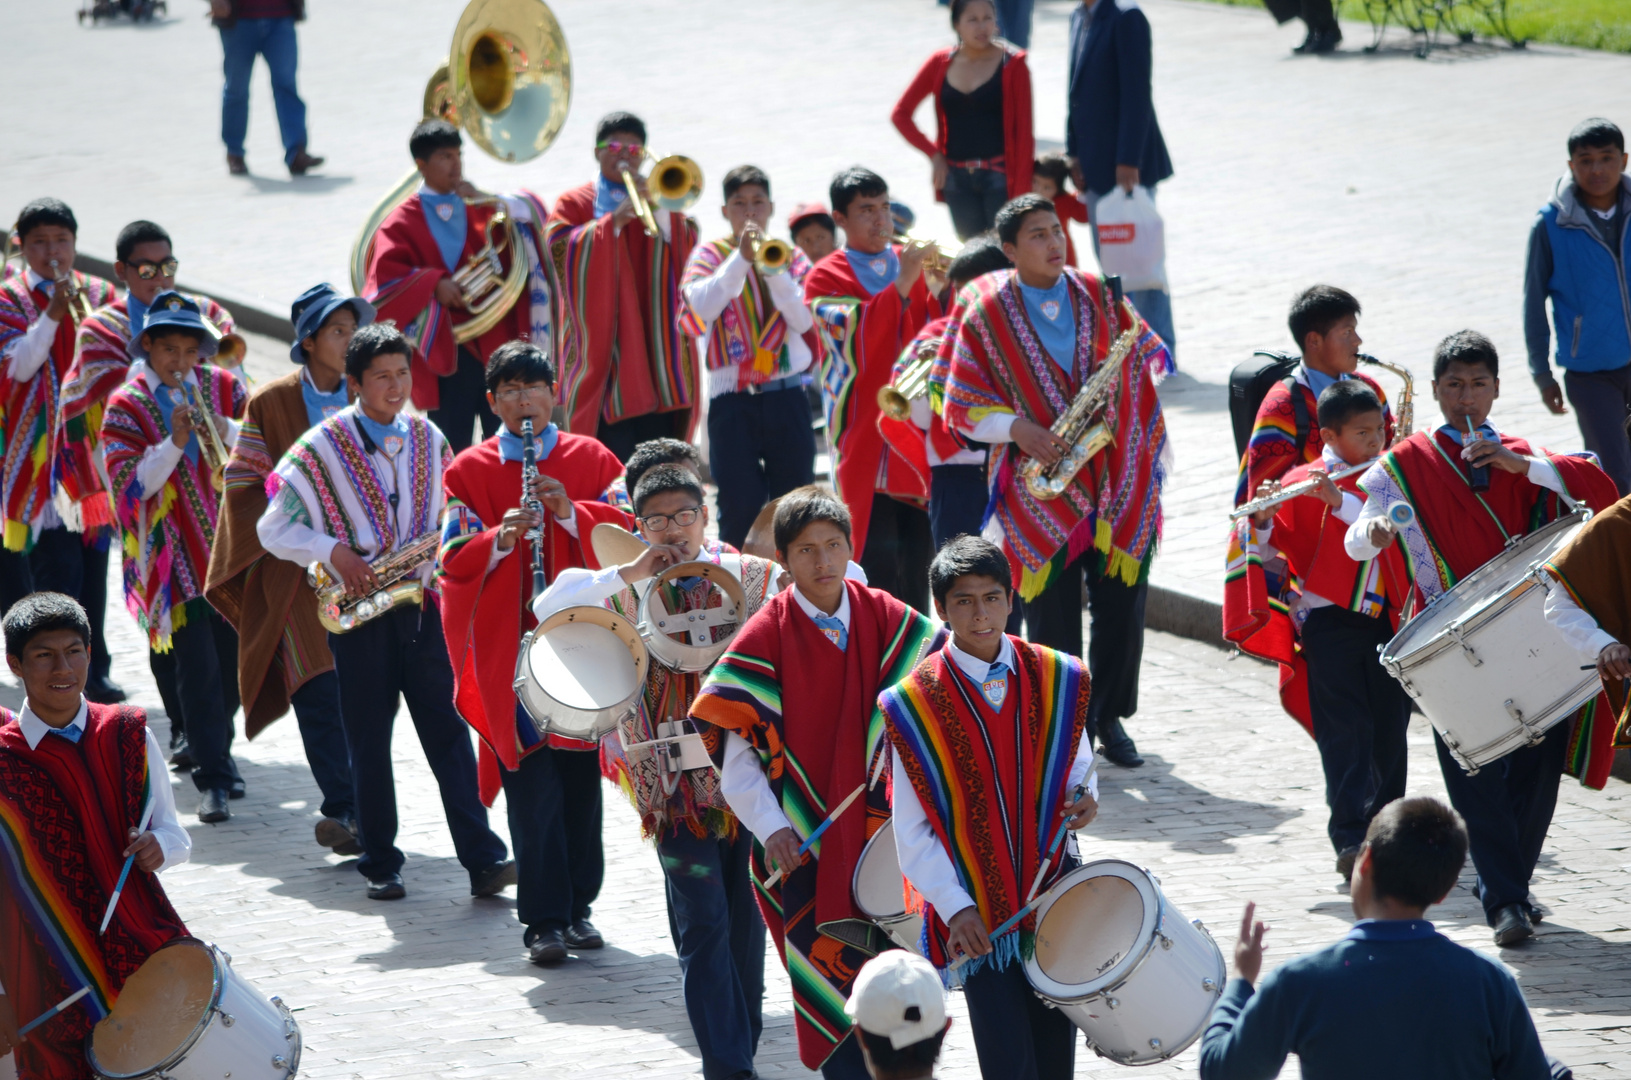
878 265
833 635
444 211
995 690
393 444
1050 310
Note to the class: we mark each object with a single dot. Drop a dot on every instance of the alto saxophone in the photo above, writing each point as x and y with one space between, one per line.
895 398
1404 417
398 585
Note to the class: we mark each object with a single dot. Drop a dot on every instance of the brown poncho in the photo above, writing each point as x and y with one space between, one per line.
1596 569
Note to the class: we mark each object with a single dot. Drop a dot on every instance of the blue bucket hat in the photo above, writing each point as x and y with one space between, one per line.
173 309
312 308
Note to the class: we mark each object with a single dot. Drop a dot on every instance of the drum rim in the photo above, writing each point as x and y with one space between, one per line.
1168 1053
691 658
1127 967
606 718
855 877
218 963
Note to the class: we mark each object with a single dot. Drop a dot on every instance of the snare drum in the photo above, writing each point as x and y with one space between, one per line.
1123 964
1487 669
580 671
879 889
186 1015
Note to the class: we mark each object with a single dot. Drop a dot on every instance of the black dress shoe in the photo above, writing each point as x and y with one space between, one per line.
212 806
236 790
389 887
545 947
1117 746
1512 925
583 935
1345 862
1309 41
104 692
339 836
181 756
494 879
1326 41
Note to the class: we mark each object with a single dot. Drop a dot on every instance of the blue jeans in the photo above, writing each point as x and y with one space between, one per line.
275 40
317 711
974 196
721 945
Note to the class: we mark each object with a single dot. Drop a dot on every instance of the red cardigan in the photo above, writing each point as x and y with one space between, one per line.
1018 139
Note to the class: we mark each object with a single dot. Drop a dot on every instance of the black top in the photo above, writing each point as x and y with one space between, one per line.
973 120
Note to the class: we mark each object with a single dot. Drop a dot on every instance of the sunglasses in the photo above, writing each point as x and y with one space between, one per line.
622 147
147 271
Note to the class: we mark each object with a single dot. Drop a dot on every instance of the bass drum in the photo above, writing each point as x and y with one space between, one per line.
879 889
580 671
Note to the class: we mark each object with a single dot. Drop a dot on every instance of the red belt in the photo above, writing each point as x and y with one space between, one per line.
998 163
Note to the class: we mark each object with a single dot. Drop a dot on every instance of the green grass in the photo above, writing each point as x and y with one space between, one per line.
1590 24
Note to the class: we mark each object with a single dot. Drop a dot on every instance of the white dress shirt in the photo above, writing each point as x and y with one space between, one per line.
923 416
26 354
923 858
1576 625
710 296
160 460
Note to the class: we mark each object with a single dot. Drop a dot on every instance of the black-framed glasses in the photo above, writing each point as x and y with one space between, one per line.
683 518
147 271
517 393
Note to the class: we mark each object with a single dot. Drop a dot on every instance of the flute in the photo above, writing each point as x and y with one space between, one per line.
1258 505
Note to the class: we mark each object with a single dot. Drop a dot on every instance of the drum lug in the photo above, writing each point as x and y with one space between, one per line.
279 1061
1155 1044
1209 986
227 1019
1166 942
1197 924
1454 632
1512 710
1111 1003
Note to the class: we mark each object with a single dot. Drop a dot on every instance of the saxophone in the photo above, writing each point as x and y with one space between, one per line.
398 585
1079 426
895 398
1404 417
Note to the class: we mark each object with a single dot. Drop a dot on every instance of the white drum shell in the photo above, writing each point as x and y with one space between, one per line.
879 889
243 1035
584 675
1490 673
1157 998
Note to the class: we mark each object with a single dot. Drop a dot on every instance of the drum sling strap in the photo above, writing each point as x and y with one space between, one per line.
1563 493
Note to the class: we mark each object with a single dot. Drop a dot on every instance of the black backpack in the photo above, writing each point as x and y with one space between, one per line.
1249 384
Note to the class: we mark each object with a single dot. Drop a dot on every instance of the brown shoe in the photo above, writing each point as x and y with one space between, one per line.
303 163
236 166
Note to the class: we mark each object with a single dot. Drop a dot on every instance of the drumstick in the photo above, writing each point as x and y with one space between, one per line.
113 901
53 1010
819 829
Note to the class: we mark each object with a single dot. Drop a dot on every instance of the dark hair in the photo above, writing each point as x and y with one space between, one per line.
1345 399
824 220
1318 308
430 136
913 1059
164 330
519 360
39 613
1053 166
851 184
660 478
1417 848
612 123
980 256
375 339
743 175
655 452
1465 347
137 232
45 212
1596 133
968 556
1011 217
960 6
803 507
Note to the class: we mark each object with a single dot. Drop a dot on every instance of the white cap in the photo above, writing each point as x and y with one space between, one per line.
898 996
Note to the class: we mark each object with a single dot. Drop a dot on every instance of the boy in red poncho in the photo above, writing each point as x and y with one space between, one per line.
869 299
552 787
76 779
1471 494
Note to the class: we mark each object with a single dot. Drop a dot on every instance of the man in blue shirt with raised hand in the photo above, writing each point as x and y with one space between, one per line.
1393 998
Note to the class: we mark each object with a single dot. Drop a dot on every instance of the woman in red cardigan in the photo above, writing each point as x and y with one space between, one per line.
983 146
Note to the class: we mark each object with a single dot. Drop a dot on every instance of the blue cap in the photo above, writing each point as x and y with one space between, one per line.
174 309
903 217
312 308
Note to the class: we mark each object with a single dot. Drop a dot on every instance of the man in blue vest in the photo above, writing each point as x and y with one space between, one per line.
1577 257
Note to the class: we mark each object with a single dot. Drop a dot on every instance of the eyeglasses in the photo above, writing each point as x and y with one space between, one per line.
517 393
622 148
147 271
683 518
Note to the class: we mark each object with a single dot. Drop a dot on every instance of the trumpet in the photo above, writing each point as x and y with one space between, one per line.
79 306
230 350
211 447
895 398
938 261
675 184
1286 494
768 254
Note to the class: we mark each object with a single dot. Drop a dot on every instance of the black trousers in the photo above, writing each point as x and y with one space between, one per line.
957 500
622 437
899 548
554 808
1317 14
463 402
760 447
1116 644
1017 1036
61 561
317 710
402 654
1508 808
198 683
1360 716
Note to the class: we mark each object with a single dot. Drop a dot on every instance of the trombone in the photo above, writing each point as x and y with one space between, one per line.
675 184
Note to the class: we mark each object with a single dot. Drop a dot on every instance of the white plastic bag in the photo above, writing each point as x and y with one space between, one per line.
1132 238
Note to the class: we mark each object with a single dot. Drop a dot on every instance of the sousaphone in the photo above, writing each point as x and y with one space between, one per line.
508 84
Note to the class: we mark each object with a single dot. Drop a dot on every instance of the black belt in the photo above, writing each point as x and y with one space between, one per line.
786 382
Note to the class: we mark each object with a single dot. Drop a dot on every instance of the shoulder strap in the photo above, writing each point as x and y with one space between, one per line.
1299 409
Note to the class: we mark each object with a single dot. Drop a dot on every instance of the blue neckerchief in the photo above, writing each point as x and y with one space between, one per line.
995 684
387 437
448 232
833 627
609 195
1486 429
321 406
875 272
72 732
1054 319
168 399
1390 930
138 312
1319 380
510 445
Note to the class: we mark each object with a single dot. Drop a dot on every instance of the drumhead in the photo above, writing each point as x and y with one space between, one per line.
1483 586
160 1011
691 640
584 665
1093 927
879 886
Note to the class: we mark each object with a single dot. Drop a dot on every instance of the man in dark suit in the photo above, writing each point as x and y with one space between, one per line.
1112 134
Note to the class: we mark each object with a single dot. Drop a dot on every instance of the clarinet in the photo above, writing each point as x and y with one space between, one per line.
529 476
